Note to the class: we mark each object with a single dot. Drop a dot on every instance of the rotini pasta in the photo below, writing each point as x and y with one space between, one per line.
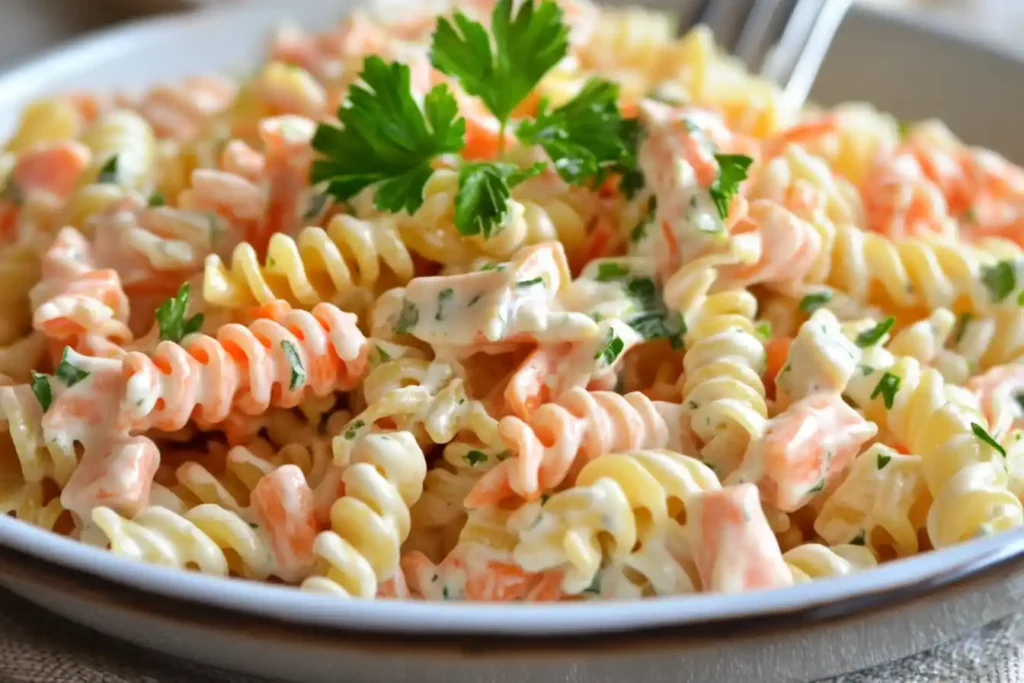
619 325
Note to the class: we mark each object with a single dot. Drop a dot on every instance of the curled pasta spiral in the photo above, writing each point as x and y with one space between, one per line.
382 479
883 502
34 504
126 136
336 264
531 218
439 516
41 459
814 561
964 475
208 537
439 407
276 361
74 299
619 501
48 119
580 426
723 392
913 276
244 467
19 272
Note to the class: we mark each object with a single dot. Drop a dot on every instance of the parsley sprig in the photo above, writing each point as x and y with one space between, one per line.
526 46
585 136
386 140
732 171
66 371
484 190
171 319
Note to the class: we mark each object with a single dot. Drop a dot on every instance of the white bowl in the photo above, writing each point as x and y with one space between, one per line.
913 70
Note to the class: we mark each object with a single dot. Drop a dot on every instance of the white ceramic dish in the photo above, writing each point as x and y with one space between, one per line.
232 39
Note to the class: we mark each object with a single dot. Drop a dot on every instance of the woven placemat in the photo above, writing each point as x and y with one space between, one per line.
39 647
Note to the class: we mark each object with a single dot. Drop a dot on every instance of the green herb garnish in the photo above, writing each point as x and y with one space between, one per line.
611 350
475 457
732 171
408 318
42 389
298 377
813 302
985 437
874 335
108 171
1000 279
503 73
171 320
484 190
68 373
583 137
607 272
887 388
386 140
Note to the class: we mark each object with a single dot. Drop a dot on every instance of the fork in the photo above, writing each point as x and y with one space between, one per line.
784 40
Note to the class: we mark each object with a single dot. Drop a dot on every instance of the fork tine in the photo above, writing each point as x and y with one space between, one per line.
798 56
759 30
726 20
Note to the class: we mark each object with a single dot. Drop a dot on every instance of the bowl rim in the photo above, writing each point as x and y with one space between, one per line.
892 581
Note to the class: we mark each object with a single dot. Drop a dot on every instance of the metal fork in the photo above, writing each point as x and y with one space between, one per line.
784 40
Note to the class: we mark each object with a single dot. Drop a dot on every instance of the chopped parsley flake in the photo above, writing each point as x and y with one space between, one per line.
108 172
298 377
68 373
874 335
442 297
611 271
1000 279
611 350
408 318
813 302
887 388
171 320
732 171
883 460
475 457
42 389
531 282
353 430
985 437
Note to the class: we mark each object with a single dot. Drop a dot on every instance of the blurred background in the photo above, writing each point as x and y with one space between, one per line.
30 26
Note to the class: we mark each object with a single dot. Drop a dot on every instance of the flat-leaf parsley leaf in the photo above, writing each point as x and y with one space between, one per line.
385 139
526 46
171 320
732 171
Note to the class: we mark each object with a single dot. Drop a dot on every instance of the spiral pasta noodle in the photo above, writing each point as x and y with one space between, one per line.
345 262
123 145
625 324
723 392
601 516
382 479
279 374
578 428
966 480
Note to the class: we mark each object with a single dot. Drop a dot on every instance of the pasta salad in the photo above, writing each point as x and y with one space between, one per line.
506 301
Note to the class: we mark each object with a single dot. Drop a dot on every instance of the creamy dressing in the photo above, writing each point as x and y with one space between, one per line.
821 358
